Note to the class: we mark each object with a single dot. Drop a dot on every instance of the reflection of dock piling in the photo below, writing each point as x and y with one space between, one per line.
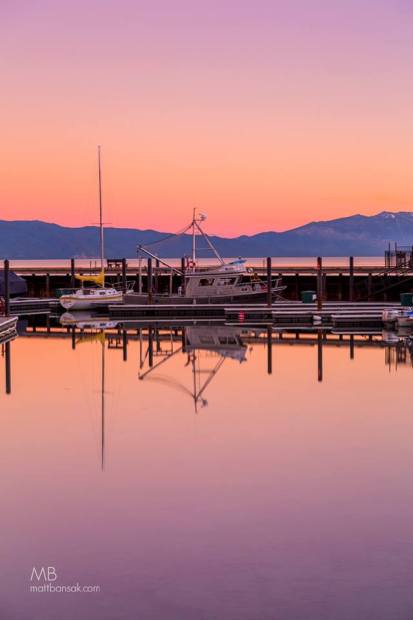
320 354
269 349
7 360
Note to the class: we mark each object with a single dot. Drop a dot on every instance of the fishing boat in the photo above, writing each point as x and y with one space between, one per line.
88 297
225 282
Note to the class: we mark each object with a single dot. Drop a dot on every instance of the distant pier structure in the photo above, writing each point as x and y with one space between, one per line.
399 257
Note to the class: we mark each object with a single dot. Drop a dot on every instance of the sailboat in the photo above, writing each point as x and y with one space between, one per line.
100 295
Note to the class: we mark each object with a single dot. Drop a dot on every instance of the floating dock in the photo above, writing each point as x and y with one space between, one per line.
26 305
332 315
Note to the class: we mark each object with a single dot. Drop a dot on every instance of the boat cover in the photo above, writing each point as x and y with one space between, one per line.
17 285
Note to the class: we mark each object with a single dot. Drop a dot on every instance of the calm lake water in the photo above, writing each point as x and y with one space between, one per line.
202 486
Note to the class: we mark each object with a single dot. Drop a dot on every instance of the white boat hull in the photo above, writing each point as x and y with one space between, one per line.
88 302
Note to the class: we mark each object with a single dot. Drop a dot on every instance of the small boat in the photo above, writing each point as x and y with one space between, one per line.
86 298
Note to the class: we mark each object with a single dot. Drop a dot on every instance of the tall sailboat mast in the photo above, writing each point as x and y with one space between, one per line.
100 212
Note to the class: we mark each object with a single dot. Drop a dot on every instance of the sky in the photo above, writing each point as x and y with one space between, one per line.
263 114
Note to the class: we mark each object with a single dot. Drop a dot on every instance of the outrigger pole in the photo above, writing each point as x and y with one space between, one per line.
145 251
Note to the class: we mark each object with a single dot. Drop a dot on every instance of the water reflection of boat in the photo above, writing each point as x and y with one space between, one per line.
223 340
200 344
402 317
85 320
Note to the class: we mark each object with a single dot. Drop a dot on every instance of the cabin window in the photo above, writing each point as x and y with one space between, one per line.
206 282
227 282
206 340
227 340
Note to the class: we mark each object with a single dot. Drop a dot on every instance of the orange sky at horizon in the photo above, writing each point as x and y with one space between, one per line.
264 117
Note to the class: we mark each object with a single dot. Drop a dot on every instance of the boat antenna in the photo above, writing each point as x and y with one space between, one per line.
193 239
100 211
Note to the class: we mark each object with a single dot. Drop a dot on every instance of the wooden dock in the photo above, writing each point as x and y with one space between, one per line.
28 306
288 315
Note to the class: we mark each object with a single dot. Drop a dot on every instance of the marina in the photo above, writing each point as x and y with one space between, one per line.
342 282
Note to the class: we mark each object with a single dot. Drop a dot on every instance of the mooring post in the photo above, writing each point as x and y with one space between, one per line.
7 355
140 275
297 286
183 275
319 283
269 349
157 276
72 273
6 287
351 279
369 286
47 284
324 286
170 282
149 278
320 354
124 275
269 281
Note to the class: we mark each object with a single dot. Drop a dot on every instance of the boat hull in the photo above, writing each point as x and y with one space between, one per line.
251 298
72 302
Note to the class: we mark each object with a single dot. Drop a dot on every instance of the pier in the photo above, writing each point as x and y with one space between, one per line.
347 282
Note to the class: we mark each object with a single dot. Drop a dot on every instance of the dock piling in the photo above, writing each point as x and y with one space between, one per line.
149 278
269 282
183 275
319 283
351 279
72 273
6 287
124 275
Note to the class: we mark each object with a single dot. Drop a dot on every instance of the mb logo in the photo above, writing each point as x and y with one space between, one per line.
45 573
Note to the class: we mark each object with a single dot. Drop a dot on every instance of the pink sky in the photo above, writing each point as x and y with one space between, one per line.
263 114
